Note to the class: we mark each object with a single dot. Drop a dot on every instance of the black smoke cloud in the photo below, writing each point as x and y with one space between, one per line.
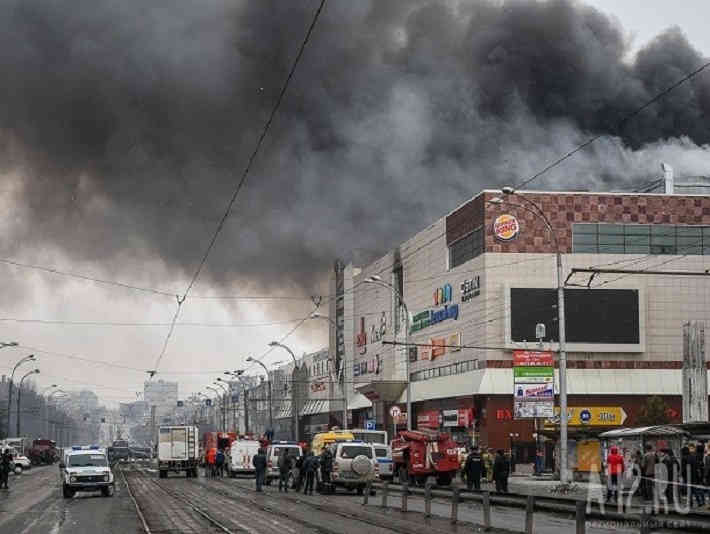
124 125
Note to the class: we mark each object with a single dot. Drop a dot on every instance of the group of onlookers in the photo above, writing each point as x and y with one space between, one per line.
307 470
662 473
485 466
217 461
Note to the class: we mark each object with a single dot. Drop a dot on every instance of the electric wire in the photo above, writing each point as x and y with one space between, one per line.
618 128
242 181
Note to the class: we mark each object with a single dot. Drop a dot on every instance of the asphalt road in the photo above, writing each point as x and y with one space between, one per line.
34 505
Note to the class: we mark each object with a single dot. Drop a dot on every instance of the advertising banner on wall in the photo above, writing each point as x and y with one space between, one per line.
533 384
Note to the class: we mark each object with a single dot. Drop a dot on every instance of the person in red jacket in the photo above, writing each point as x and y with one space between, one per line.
210 468
615 469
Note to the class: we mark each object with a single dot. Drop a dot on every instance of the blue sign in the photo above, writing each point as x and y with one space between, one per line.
370 424
585 416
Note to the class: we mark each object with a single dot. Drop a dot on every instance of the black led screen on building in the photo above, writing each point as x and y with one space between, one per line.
591 315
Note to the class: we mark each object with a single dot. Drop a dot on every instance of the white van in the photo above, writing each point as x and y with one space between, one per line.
240 457
383 453
276 449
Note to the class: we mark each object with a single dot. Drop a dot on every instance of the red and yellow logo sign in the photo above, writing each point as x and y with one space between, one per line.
506 227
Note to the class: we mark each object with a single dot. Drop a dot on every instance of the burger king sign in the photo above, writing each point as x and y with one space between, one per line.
506 227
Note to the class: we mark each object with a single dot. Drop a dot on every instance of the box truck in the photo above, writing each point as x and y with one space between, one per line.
178 450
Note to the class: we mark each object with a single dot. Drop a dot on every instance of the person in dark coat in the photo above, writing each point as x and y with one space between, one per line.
284 470
326 465
259 462
501 470
672 469
219 463
298 465
5 468
310 466
474 469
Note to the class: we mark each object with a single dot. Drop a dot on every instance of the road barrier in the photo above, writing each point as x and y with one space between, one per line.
581 510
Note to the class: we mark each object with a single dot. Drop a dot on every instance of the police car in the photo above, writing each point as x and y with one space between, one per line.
86 469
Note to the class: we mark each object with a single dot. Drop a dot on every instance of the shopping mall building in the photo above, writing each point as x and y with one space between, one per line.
479 281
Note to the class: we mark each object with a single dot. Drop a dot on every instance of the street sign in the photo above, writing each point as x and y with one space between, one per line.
591 416
395 412
370 424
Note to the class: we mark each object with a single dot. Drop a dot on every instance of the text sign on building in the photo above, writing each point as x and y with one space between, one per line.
533 384
470 288
590 416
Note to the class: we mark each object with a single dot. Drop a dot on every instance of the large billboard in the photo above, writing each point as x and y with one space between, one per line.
604 316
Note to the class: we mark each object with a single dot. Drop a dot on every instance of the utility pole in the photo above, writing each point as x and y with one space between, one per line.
246 411
153 433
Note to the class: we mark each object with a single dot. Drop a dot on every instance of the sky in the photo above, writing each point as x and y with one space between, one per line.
124 128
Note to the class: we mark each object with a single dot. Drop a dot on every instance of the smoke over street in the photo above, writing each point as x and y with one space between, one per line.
124 126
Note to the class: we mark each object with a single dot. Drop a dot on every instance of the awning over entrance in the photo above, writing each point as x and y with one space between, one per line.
388 391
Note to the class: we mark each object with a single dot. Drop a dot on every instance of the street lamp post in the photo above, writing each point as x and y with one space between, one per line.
268 383
377 280
238 375
225 400
29 358
295 390
217 392
19 396
537 211
316 315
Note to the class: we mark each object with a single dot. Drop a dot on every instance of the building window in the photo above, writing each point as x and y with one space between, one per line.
466 248
605 238
445 370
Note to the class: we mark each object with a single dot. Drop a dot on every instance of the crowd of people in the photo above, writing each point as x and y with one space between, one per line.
487 466
308 470
217 461
661 474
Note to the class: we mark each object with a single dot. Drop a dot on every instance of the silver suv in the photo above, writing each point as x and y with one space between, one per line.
354 465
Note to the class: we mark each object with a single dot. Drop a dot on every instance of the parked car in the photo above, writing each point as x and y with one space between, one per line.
277 448
354 465
383 454
240 458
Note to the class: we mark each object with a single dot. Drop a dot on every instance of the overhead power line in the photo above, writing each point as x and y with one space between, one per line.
242 180
85 277
618 128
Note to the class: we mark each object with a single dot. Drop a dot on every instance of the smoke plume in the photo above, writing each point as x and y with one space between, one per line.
124 125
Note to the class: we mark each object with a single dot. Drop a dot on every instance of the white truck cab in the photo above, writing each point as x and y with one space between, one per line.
86 469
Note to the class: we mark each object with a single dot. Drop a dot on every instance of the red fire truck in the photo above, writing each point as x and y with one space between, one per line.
418 454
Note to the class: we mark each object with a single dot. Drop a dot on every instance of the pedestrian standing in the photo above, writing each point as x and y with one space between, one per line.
298 467
211 462
219 463
488 464
615 468
501 471
672 467
259 462
474 470
649 470
284 464
309 466
706 471
326 465
5 466
700 474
